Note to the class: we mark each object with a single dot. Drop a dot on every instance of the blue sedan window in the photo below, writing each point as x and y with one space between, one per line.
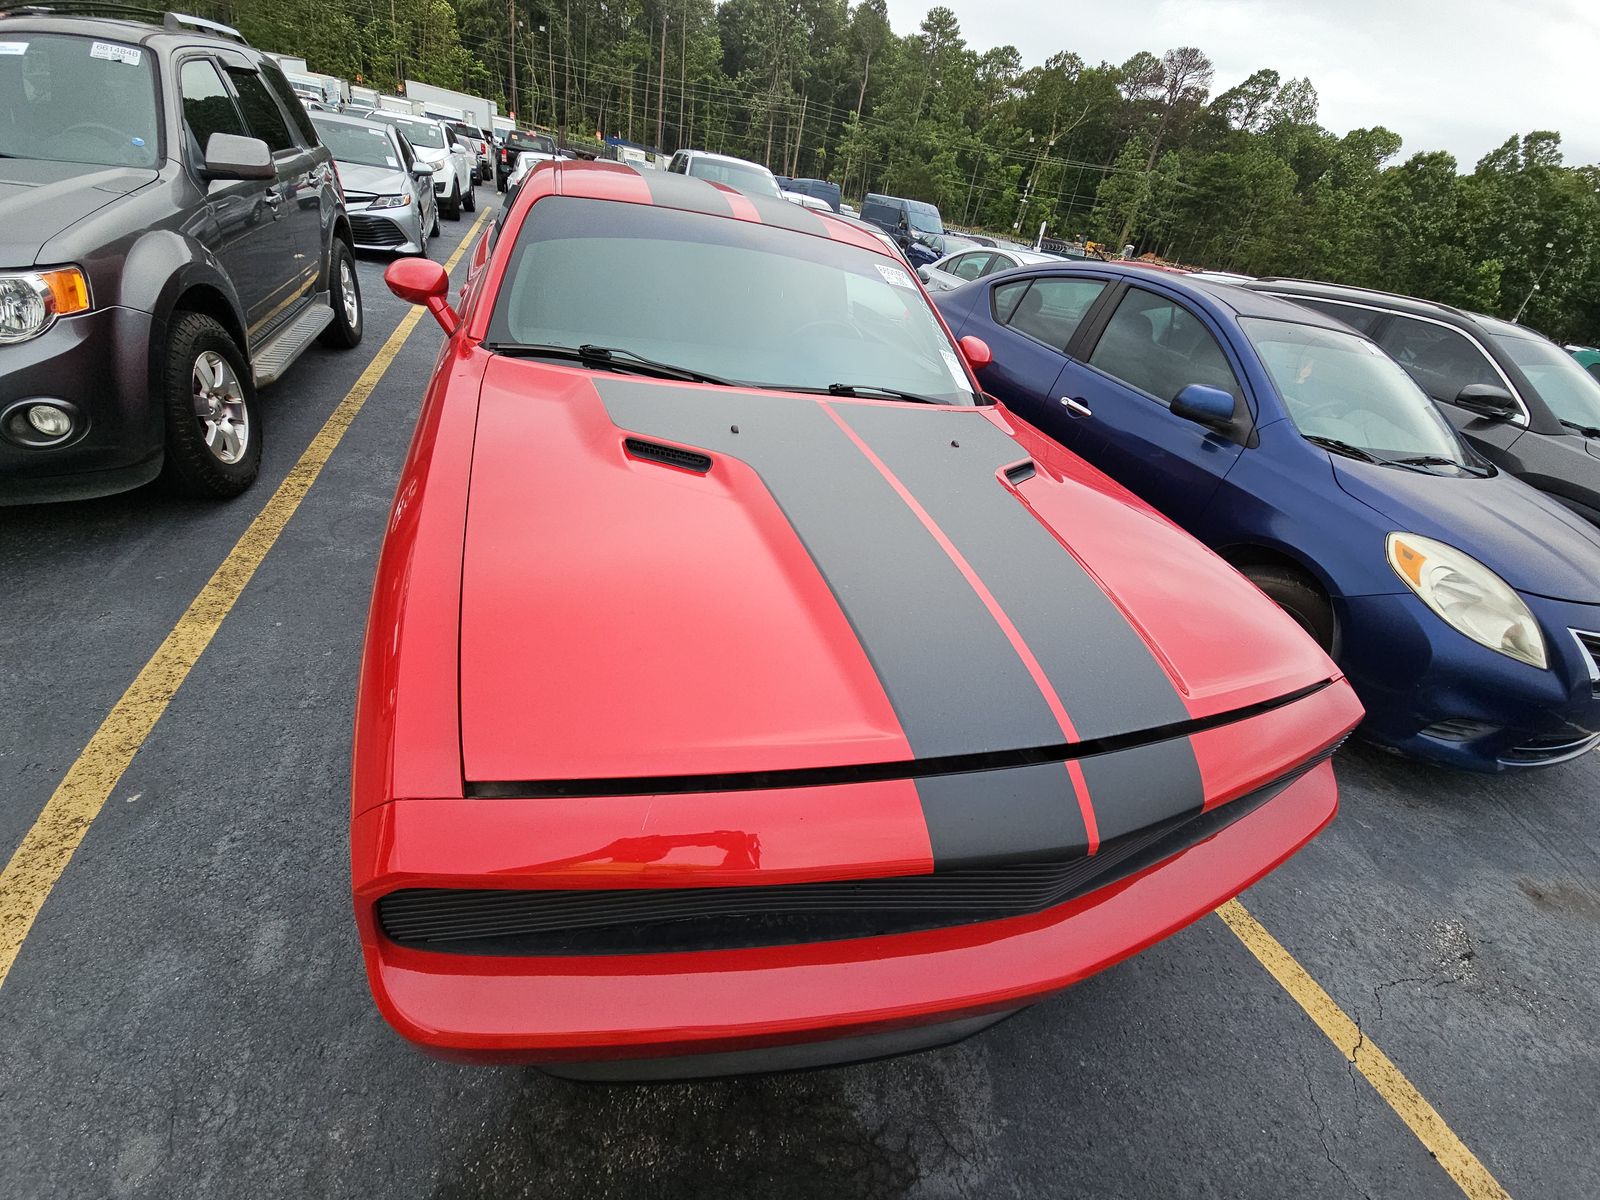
1046 309
1161 348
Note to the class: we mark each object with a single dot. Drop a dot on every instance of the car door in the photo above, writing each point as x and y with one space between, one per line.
241 216
1443 360
295 198
1030 322
1151 347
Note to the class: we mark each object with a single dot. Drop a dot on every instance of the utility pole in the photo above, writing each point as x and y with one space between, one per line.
661 86
1549 257
683 69
511 29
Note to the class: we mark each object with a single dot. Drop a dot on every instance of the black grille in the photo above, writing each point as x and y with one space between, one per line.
534 922
673 456
1590 644
375 231
1552 747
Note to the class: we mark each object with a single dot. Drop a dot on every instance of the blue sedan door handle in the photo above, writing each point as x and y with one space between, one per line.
1075 406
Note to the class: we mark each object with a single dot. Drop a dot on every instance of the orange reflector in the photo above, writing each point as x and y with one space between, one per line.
1408 562
68 290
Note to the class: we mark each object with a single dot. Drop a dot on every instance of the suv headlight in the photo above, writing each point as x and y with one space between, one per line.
400 201
30 301
1469 596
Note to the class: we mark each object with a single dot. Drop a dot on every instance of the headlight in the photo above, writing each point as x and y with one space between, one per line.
30 301
1468 596
400 201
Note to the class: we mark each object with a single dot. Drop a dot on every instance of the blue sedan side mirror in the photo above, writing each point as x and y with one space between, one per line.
1208 406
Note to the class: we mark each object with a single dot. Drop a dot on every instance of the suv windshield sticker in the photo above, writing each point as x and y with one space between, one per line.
893 275
13 47
122 54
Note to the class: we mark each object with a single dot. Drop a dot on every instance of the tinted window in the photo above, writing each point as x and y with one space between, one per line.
1161 348
740 291
1047 309
1441 360
279 83
1363 320
1572 394
261 111
1594 369
877 210
968 266
207 107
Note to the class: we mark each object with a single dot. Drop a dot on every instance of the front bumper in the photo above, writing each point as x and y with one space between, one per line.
98 363
765 1007
398 230
1433 693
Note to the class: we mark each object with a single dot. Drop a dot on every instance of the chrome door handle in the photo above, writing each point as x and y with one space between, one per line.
1075 406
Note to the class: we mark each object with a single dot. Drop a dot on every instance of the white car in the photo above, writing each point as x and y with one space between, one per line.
974 262
527 160
805 201
453 161
738 173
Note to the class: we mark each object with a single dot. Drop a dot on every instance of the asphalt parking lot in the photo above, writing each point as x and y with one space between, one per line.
188 1016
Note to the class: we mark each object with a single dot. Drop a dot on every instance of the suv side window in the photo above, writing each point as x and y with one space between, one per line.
261 111
1047 309
1440 359
1160 348
279 83
207 107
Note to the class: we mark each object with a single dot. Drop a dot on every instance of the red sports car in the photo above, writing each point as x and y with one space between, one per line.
744 690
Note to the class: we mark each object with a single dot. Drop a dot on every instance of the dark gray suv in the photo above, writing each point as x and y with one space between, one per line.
172 237
1521 400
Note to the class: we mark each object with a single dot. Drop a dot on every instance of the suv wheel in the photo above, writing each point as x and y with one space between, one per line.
213 443
471 200
344 292
452 206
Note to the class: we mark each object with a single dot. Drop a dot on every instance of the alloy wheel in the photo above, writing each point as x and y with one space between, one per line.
220 408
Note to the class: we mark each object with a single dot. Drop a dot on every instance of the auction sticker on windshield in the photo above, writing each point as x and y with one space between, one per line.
893 275
13 47
122 54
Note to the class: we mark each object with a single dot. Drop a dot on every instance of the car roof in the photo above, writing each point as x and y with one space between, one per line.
1356 295
749 162
118 29
1238 300
603 179
330 117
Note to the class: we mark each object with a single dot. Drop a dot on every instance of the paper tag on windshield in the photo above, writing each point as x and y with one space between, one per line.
122 54
893 275
13 47
956 373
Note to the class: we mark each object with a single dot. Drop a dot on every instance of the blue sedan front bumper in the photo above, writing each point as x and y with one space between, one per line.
1432 692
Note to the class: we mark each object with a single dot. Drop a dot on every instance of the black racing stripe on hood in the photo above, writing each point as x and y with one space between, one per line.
955 682
671 190
987 818
1135 788
788 215
1107 678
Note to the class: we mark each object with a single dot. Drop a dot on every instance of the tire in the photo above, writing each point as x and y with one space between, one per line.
452 206
208 404
344 293
471 199
434 232
1302 599
422 249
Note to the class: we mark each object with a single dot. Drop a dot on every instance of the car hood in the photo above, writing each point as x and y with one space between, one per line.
668 580
40 199
1532 542
373 181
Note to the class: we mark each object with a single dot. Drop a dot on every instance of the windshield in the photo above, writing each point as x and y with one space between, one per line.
924 218
1341 387
743 177
1571 392
418 133
360 144
733 299
77 99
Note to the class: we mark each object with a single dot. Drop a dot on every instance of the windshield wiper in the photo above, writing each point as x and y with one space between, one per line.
1586 430
607 356
1438 460
855 389
1344 448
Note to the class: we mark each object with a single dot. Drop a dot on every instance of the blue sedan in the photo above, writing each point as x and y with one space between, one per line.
1463 605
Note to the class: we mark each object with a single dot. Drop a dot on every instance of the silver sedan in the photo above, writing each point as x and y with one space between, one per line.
388 188
974 262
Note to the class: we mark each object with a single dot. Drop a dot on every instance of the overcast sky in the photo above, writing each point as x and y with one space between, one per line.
1456 75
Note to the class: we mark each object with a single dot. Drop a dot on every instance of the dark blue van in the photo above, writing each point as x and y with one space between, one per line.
912 223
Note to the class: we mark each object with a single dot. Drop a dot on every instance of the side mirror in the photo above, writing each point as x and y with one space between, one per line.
229 156
423 281
422 173
1208 406
922 274
978 354
1488 400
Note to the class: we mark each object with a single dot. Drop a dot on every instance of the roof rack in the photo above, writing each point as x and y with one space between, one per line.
70 8
1355 287
177 22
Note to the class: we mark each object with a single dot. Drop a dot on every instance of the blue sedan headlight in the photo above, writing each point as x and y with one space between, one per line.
1469 596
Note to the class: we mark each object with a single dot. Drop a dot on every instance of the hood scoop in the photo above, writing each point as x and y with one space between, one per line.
669 456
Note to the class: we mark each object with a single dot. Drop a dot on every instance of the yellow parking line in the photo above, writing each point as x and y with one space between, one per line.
1397 1091
48 846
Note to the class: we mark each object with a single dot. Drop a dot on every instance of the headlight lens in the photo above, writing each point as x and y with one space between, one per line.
1469 596
400 201
31 300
